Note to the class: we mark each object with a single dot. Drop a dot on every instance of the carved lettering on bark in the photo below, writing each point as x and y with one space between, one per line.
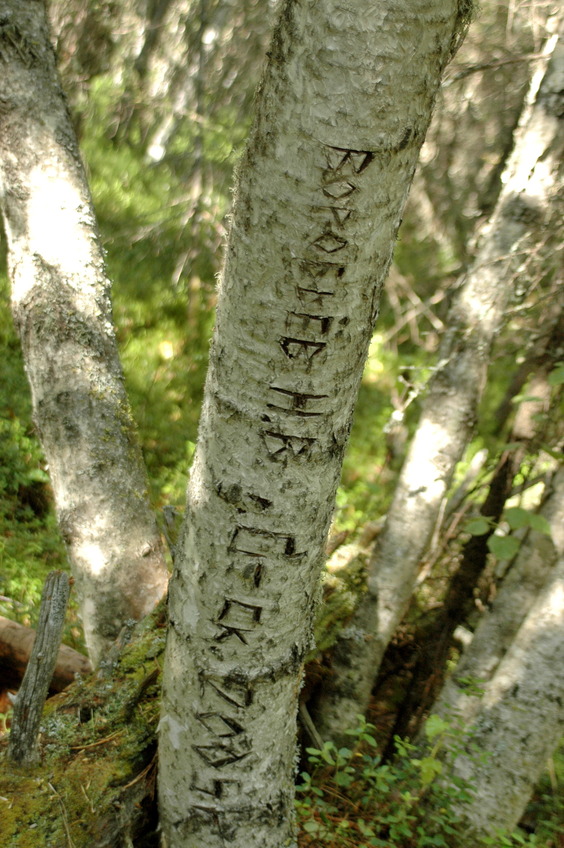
312 297
322 270
243 501
303 322
340 214
220 754
238 618
345 159
330 242
238 694
338 189
281 445
216 787
250 569
300 404
301 348
258 543
220 725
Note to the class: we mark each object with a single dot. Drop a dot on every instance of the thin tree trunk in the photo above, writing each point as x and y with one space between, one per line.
428 672
499 626
342 112
521 716
61 306
434 647
449 410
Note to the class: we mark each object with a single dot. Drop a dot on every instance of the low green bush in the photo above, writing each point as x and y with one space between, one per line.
350 798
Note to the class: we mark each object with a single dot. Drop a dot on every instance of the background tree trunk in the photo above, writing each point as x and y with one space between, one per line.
532 181
341 117
499 626
521 716
61 306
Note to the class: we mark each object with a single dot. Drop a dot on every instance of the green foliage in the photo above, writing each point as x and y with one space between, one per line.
350 798
163 252
517 518
556 376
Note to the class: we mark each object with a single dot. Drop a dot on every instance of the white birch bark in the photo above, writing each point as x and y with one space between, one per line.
61 307
499 625
342 111
532 179
521 717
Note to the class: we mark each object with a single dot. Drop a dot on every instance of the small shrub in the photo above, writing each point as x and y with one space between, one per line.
351 799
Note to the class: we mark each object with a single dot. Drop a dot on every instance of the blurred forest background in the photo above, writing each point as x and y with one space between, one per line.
161 94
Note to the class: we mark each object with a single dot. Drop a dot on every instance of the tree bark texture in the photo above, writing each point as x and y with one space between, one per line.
22 747
499 626
342 111
521 716
532 188
16 643
436 640
61 306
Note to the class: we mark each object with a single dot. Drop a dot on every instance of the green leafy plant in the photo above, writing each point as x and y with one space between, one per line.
350 798
506 546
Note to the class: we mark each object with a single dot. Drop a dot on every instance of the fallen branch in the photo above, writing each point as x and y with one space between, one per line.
16 643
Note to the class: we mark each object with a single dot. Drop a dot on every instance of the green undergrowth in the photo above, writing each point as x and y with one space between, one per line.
98 756
98 768
162 255
349 798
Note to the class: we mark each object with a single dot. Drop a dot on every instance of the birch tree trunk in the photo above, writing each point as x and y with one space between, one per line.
521 716
61 307
532 179
496 631
459 601
341 114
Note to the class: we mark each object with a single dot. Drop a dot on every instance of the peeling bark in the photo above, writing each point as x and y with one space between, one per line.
342 111
62 310
532 182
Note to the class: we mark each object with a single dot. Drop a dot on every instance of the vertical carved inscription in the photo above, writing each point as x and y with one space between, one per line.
329 242
347 160
228 743
304 342
216 788
304 321
236 693
243 501
296 348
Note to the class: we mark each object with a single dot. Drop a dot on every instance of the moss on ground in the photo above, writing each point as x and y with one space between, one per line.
94 784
